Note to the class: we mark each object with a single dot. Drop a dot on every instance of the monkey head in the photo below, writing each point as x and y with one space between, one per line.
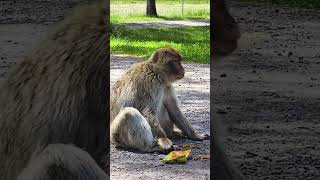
167 61
225 32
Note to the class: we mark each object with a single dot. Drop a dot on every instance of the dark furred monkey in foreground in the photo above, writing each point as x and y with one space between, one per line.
54 105
224 40
225 29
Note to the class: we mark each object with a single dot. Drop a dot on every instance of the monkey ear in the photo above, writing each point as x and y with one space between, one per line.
156 57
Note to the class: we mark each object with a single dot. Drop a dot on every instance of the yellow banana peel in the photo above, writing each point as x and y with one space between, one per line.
177 156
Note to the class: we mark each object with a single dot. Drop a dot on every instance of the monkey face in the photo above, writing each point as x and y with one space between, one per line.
226 34
176 69
169 61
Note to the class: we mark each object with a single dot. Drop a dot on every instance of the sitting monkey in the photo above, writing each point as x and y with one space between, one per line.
144 108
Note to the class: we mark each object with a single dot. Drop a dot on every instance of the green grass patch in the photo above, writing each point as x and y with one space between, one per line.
192 42
160 1
294 3
134 11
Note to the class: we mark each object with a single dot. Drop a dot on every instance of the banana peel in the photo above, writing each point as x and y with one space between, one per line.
177 156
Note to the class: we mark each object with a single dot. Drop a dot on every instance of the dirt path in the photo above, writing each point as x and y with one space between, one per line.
169 23
269 90
193 92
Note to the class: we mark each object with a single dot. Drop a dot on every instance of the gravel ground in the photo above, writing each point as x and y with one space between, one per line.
193 92
268 93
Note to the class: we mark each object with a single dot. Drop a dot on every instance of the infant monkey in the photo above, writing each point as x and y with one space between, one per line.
144 108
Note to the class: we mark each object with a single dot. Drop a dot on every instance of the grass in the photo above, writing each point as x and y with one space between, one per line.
294 3
135 10
161 1
192 42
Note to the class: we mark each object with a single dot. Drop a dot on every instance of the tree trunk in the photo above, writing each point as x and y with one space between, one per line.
151 8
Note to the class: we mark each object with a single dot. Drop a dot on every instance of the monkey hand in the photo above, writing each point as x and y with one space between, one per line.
201 137
166 145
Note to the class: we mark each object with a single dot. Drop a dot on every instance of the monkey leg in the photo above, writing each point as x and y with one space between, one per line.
130 129
60 161
168 126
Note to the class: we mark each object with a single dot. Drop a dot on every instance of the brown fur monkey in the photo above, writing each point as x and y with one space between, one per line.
225 31
54 105
144 108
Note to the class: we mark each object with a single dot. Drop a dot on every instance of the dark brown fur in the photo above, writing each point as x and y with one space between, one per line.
56 97
225 29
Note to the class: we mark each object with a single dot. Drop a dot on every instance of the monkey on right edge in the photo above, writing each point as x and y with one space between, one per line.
144 108
225 38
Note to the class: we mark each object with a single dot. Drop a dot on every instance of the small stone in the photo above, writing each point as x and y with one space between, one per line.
221 111
223 75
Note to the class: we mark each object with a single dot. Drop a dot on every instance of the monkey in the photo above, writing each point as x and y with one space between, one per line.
54 106
225 31
225 39
144 109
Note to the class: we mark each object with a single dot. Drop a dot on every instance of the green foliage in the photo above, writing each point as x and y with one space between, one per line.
192 42
135 10
161 1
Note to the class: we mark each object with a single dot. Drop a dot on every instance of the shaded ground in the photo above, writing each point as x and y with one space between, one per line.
269 93
34 11
193 93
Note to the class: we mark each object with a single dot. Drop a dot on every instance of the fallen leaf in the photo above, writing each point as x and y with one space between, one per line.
177 156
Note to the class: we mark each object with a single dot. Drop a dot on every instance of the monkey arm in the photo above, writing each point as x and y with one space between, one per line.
177 116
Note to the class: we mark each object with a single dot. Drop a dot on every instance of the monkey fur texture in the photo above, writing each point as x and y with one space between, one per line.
54 105
144 108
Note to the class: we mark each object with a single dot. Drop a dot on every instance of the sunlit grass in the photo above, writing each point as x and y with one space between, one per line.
133 11
192 42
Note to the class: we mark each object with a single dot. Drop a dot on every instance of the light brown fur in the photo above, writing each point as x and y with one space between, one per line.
54 107
144 108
